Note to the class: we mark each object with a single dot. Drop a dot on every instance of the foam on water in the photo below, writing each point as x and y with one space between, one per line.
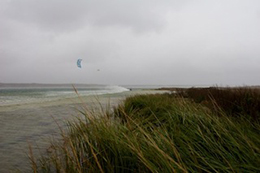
11 95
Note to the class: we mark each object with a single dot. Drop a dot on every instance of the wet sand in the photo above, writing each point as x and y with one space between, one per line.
36 124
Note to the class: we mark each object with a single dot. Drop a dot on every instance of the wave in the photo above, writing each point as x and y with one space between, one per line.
20 95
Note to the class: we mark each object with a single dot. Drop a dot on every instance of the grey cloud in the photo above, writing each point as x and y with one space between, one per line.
131 42
71 15
51 16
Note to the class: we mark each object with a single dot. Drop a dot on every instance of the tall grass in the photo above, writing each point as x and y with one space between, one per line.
235 102
156 133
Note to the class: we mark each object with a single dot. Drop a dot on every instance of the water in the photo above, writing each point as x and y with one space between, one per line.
29 113
11 94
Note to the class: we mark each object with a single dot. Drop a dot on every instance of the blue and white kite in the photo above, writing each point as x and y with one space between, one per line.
79 63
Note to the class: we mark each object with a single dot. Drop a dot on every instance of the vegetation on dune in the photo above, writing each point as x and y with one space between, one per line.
159 133
233 101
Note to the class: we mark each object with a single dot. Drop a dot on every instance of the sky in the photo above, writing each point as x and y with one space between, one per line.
130 42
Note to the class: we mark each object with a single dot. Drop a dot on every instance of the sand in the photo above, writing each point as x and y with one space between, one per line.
36 124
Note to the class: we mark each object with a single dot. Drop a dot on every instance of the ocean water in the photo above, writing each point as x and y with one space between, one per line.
29 114
11 94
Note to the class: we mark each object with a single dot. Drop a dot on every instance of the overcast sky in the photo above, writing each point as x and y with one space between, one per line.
164 42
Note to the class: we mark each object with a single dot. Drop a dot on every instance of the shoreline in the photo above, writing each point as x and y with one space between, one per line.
36 123
77 99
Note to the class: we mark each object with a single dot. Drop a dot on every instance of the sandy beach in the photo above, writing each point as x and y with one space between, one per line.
36 124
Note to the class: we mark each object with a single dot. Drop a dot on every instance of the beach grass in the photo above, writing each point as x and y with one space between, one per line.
236 102
157 133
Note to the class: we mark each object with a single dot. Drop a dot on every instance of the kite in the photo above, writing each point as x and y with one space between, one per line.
79 63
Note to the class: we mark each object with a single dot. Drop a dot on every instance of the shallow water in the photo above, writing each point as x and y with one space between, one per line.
34 125
29 125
